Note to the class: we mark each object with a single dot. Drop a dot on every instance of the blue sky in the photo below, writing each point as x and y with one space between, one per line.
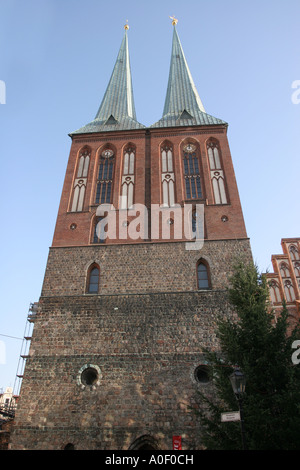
56 60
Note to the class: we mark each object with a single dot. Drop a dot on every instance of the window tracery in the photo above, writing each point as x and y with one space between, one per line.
294 253
80 182
289 291
216 172
284 270
167 176
127 184
105 177
274 291
191 170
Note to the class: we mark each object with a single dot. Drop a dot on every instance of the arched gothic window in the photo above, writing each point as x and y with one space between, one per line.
105 177
216 172
289 291
297 269
294 252
274 291
81 180
191 168
284 270
98 231
93 279
127 185
203 275
167 175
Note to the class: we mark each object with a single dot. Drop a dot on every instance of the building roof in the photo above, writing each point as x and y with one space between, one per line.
117 110
183 106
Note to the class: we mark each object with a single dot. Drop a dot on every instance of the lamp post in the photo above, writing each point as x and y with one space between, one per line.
238 383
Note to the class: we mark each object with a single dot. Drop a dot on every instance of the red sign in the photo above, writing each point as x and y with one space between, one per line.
177 443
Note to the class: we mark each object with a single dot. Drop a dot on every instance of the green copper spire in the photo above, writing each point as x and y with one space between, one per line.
183 106
117 110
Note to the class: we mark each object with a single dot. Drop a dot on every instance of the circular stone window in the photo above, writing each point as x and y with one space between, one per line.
89 376
201 374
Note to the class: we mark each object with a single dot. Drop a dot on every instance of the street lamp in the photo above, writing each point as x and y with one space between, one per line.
238 383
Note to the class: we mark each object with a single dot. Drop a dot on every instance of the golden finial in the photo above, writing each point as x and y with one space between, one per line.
126 26
174 20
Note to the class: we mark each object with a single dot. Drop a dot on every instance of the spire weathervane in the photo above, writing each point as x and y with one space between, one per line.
126 26
174 20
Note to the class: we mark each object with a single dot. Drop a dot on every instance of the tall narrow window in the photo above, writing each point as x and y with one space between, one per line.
294 252
80 180
93 279
127 184
105 177
274 291
191 169
284 270
167 176
203 276
297 269
216 172
289 291
98 235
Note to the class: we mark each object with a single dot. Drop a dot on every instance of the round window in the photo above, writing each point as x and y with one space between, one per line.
89 376
201 374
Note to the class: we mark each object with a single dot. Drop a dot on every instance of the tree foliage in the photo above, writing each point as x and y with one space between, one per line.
261 347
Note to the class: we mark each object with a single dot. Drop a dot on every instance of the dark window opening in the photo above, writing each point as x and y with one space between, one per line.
202 274
192 176
93 284
202 374
89 376
104 180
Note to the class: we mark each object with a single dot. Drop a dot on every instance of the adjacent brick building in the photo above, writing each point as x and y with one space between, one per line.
116 356
284 282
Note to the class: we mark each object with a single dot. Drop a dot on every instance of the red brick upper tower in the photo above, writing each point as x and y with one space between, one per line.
129 304
183 159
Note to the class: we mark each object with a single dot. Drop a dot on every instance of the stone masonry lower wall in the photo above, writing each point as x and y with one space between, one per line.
147 352
146 333
146 267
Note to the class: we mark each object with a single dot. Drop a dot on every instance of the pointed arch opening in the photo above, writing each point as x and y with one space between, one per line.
167 174
294 252
297 268
105 175
284 269
192 172
274 291
216 171
98 234
203 275
93 279
145 442
289 291
80 181
128 177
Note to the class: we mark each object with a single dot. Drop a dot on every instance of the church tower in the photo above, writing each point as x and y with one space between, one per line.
148 226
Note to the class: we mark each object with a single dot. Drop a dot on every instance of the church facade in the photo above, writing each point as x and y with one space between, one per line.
148 227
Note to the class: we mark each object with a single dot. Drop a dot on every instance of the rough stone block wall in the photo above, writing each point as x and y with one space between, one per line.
146 341
147 352
139 268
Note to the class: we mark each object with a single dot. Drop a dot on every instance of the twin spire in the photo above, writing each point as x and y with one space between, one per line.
183 106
